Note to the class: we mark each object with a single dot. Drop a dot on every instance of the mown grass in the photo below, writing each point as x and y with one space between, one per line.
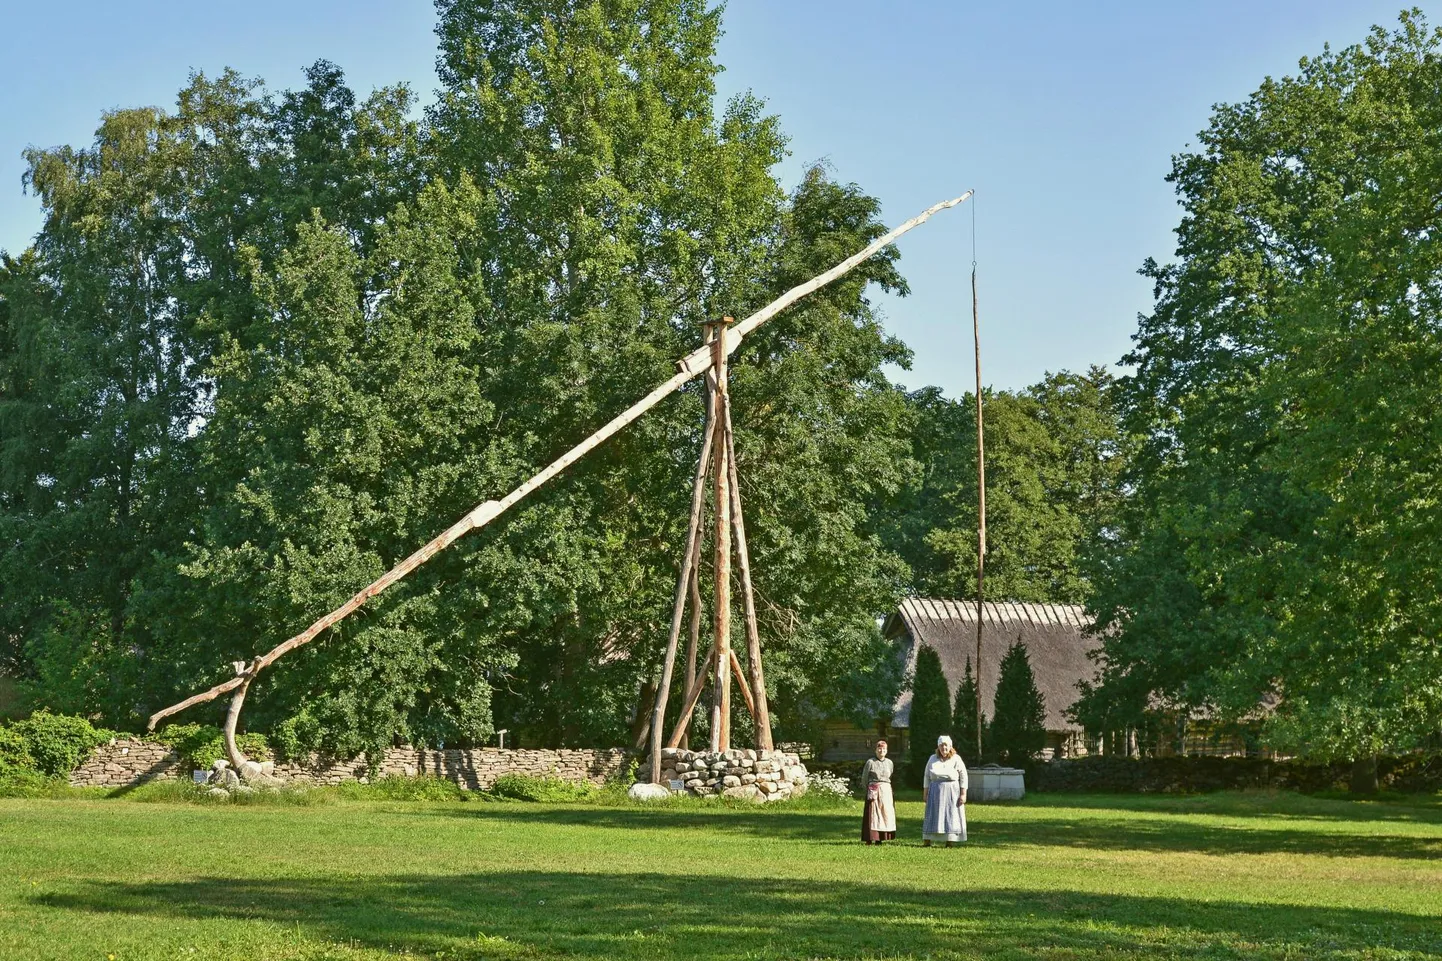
1216 876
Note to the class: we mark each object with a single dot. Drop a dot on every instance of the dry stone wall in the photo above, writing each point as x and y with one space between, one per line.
749 774
127 762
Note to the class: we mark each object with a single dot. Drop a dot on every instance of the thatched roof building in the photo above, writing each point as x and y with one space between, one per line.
1056 644
1054 635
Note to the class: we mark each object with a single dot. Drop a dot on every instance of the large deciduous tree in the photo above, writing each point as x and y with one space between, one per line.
1283 540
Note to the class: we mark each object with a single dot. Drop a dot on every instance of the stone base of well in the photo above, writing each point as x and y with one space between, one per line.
992 782
739 773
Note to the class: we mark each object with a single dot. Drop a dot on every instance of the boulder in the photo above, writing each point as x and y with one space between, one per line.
745 792
730 780
642 791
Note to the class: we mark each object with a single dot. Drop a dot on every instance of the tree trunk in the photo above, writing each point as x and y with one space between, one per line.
1364 775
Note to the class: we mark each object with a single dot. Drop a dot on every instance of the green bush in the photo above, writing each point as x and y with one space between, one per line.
544 790
57 743
203 744
15 759
296 737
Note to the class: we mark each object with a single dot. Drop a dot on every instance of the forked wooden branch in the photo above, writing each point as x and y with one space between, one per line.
692 365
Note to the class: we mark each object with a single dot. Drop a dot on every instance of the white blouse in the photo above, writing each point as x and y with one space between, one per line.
952 769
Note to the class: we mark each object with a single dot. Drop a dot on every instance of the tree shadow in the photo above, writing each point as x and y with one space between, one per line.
543 914
1422 809
1050 829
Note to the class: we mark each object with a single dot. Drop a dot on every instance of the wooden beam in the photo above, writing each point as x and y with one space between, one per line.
760 710
688 564
695 363
688 705
741 684
721 566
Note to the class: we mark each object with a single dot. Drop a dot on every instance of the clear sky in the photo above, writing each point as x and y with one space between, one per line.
1062 115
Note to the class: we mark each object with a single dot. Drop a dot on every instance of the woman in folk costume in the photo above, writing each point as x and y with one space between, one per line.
944 790
878 815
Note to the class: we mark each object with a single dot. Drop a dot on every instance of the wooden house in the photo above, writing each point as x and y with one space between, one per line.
1056 643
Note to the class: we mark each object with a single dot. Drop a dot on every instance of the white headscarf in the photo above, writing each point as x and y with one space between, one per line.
945 739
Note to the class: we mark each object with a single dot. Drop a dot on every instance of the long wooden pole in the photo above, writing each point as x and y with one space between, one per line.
692 365
688 703
757 703
683 582
721 544
980 508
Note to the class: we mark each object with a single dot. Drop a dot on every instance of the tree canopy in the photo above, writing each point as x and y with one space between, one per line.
1281 543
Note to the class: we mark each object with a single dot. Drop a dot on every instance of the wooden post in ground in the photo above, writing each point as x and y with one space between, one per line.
980 509
760 712
683 582
721 477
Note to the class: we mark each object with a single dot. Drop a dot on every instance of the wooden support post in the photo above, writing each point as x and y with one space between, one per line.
693 644
757 703
688 705
980 508
683 582
721 694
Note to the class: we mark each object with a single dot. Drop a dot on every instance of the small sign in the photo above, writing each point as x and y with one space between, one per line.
678 785
199 777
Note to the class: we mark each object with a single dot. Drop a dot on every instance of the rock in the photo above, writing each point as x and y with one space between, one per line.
249 769
730 780
744 792
766 787
220 764
670 752
690 775
267 768
682 767
748 779
648 792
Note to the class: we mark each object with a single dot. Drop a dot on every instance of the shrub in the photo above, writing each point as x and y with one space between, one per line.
545 790
15 759
203 744
57 743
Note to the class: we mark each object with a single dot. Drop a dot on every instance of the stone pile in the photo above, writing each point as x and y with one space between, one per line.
739 773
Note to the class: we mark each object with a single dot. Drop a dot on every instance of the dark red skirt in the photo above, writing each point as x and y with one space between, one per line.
868 836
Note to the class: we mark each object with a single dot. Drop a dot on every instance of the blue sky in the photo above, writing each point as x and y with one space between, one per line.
1062 115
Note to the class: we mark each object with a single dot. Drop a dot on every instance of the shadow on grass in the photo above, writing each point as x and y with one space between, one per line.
540 914
1059 829
1286 805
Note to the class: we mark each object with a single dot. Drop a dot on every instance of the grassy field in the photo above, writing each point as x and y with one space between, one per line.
1218 876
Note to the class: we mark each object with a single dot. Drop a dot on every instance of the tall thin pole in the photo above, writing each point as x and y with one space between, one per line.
721 693
980 505
689 563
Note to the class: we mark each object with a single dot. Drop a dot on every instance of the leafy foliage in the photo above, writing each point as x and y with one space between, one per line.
203 744
50 745
267 344
1282 543
1055 453
1017 732
545 790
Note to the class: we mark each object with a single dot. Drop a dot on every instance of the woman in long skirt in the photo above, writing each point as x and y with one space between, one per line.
944 790
878 815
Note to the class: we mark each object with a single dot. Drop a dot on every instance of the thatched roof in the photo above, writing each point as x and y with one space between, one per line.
1054 635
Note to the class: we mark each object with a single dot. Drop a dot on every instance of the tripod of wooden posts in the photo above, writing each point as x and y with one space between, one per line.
716 470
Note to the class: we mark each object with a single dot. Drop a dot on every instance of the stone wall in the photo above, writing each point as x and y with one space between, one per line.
126 763
754 775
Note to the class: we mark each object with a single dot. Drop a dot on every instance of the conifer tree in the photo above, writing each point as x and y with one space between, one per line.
930 711
1018 725
963 717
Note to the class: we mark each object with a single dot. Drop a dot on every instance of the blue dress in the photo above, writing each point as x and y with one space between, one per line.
945 780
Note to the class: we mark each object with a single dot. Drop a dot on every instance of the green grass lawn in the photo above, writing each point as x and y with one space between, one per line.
1218 876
